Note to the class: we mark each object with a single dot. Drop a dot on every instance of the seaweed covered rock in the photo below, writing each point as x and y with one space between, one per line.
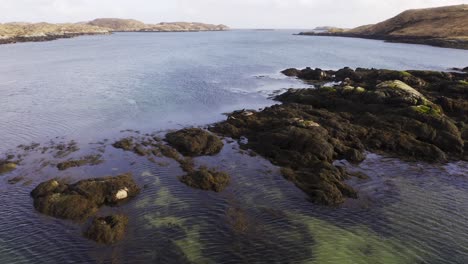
413 115
194 142
206 179
80 200
107 230
7 166
125 144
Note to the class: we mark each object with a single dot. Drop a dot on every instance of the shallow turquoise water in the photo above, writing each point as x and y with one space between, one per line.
90 88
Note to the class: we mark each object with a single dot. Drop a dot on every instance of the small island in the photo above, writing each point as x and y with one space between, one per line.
32 32
442 26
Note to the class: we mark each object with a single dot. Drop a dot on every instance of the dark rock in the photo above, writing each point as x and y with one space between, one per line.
291 72
206 179
313 74
195 142
107 230
79 200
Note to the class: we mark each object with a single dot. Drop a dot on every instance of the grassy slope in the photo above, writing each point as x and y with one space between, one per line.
440 22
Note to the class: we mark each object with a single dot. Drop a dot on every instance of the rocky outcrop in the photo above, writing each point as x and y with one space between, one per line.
413 115
194 142
442 26
82 199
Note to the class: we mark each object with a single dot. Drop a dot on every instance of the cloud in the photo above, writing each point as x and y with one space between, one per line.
238 13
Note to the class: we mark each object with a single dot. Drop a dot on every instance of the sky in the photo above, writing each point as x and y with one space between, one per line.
234 13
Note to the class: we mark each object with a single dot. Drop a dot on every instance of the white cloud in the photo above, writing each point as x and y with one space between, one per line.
238 13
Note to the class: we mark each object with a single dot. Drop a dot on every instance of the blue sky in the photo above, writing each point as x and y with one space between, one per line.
234 13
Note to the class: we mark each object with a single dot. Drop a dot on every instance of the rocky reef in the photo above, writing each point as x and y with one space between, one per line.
80 200
413 115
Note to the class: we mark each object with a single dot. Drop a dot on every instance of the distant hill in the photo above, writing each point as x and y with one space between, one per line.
25 32
117 24
442 26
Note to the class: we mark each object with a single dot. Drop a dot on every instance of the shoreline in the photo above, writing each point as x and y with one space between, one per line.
429 41
23 39
46 38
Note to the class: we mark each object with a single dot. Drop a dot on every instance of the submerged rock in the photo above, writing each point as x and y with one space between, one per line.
195 142
88 160
107 230
206 179
79 200
7 166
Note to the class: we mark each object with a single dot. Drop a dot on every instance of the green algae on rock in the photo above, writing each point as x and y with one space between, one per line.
195 142
79 200
107 230
206 179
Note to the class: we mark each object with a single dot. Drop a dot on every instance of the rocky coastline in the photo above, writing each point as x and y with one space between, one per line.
454 43
38 32
43 38
441 26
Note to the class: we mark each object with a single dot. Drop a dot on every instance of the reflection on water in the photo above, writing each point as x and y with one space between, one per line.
407 213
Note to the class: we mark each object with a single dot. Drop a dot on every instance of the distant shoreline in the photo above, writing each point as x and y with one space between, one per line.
430 41
45 38
23 39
